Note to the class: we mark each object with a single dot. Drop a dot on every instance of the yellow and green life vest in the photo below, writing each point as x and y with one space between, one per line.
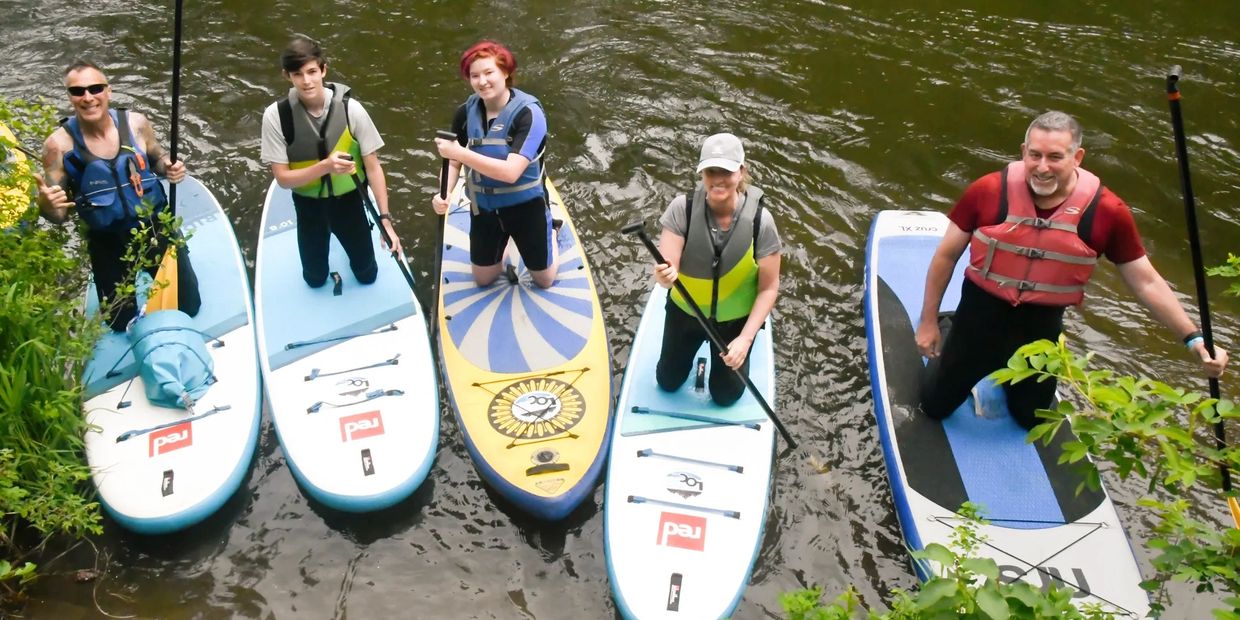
307 146
722 279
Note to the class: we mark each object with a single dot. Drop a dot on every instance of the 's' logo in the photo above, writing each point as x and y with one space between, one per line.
673 593
361 425
682 531
172 438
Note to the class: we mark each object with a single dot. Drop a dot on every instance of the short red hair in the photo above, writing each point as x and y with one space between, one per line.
490 49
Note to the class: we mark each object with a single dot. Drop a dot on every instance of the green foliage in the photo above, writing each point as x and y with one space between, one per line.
1230 270
45 340
1158 433
962 586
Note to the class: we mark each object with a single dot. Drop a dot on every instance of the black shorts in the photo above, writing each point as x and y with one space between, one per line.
527 223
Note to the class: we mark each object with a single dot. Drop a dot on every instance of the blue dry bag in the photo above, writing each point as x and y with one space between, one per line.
172 358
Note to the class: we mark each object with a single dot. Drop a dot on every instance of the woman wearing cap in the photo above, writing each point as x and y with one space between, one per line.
501 133
724 247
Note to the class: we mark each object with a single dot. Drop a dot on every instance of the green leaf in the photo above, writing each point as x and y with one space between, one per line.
937 553
936 590
993 604
985 567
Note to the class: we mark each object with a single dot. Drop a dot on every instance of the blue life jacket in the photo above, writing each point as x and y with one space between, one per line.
488 193
109 191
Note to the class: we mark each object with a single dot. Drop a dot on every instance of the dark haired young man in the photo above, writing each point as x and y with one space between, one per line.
328 132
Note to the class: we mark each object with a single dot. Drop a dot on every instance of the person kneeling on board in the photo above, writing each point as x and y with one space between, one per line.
1034 231
111 162
313 139
724 247
501 135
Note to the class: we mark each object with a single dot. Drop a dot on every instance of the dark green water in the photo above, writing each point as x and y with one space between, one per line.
846 108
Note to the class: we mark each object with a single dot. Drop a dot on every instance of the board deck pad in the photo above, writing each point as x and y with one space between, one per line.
159 469
528 369
350 377
687 484
1040 528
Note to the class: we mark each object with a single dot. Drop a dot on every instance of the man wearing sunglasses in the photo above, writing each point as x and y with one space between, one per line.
111 164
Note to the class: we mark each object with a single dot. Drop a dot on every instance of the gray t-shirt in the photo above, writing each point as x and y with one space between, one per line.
675 220
363 130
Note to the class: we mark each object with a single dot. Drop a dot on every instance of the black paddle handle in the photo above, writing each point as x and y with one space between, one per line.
1194 243
443 171
443 193
711 333
174 131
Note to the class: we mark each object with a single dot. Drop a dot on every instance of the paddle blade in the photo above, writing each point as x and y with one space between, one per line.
1235 511
163 295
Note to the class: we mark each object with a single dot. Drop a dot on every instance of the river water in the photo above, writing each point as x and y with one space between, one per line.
846 108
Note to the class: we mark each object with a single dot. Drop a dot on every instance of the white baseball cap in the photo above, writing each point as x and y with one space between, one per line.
722 150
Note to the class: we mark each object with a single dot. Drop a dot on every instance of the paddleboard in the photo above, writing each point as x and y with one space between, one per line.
350 377
157 469
14 199
527 369
1040 530
687 484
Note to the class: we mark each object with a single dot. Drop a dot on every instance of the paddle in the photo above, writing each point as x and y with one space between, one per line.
640 231
1194 242
443 193
364 188
165 296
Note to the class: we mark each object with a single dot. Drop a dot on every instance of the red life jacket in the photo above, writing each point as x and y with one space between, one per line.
1033 260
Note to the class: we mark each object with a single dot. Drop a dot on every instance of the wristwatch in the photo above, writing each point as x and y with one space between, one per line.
387 216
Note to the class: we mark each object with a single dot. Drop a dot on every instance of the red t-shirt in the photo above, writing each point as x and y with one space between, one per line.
1113 235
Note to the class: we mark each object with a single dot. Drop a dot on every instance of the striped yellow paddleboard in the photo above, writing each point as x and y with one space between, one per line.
527 369
14 199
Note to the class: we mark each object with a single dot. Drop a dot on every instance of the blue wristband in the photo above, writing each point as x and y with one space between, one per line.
1192 342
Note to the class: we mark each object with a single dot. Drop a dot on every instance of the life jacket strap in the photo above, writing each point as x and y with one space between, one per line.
1026 285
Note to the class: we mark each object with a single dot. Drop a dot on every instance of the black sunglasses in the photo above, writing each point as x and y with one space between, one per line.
94 89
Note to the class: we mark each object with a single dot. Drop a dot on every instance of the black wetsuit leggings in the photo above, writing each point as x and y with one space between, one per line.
682 336
107 251
320 218
984 334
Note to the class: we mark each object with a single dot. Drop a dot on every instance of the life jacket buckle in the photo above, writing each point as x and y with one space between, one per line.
1040 222
1026 285
1033 252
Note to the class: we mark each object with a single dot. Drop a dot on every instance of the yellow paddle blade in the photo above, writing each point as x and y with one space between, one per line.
1235 511
163 294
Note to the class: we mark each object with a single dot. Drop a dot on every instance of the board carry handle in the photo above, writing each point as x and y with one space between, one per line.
639 229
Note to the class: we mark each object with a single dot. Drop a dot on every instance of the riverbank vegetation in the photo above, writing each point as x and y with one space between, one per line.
1146 429
45 341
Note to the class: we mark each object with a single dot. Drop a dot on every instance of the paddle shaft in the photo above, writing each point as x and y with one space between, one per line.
1194 242
716 340
174 132
439 224
364 188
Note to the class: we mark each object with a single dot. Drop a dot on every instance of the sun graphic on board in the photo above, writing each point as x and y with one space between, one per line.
535 408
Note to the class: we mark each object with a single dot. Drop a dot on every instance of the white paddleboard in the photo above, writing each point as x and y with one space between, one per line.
1040 530
687 485
157 469
350 378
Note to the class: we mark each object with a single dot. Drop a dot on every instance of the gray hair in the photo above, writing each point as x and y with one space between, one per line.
1056 121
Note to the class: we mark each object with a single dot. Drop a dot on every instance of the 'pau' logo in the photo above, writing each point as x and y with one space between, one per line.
172 438
361 425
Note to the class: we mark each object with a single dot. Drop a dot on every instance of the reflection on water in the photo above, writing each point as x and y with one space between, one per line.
846 109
